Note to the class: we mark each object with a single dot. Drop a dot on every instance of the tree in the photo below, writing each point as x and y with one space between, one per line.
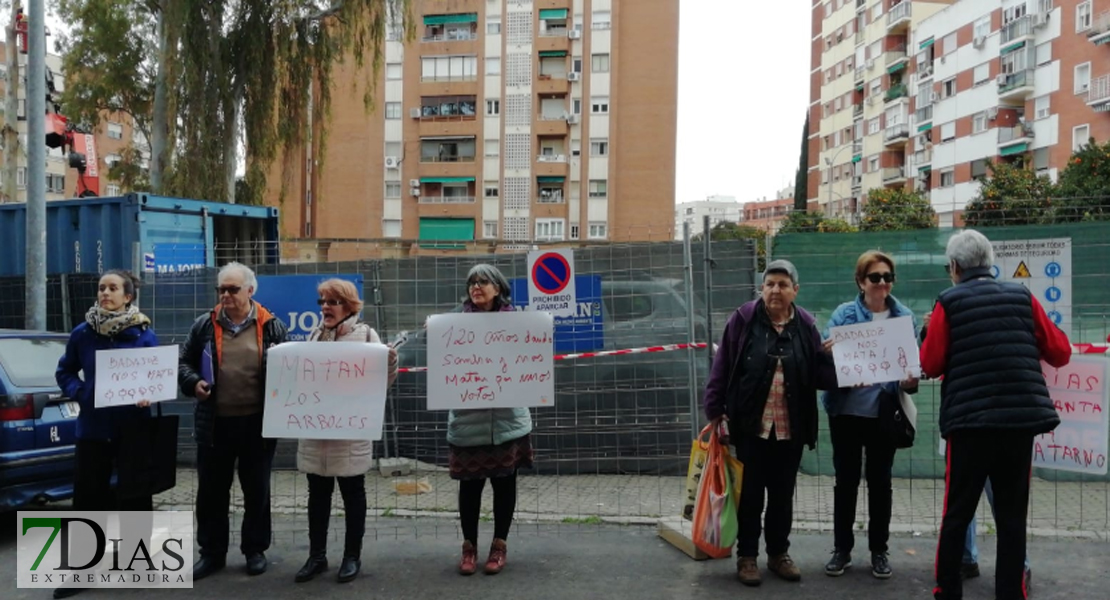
1084 184
252 68
1011 195
897 210
800 221
801 176
728 230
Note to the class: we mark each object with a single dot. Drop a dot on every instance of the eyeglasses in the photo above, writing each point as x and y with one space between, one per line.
877 277
478 282
228 289
329 302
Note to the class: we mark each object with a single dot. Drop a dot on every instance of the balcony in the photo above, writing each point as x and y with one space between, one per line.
1098 94
894 175
923 115
451 36
861 5
446 200
896 136
551 165
857 110
857 183
1099 33
1015 86
895 92
898 18
551 125
1014 140
555 83
861 73
923 159
551 199
924 71
896 58
1018 30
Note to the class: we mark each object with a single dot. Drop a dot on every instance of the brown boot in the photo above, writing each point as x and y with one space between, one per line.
497 555
783 566
469 563
748 571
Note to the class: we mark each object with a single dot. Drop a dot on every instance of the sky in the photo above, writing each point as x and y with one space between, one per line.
742 97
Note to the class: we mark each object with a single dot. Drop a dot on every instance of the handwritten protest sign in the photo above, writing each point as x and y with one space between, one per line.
326 391
492 360
124 377
875 352
1079 443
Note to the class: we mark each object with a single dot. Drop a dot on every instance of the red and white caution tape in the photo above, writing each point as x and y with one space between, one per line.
664 348
1090 348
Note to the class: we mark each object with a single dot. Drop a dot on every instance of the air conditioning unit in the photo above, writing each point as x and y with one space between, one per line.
574 34
414 192
979 41
392 162
572 120
414 183
574 76
933 97
414 113
1000 80
870 100
992 113
1040 20
870 63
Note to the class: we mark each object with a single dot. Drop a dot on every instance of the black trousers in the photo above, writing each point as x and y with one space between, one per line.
851 436
771 467
236 439
320 490
470 506
973 456
92 479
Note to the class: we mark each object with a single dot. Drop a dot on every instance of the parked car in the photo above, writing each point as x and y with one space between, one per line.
38 425
613 414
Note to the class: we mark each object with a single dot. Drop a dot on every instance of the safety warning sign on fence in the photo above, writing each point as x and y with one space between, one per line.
1043 266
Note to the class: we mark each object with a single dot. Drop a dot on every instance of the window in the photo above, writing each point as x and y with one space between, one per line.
1040 159
21 177
948 88
872 163
393 189
492 191
115 130
598 231
979 122
112 189
1044 53
448 68
1083 16
949 44
978 169
876 86
1013 13
576 64
492 148
577 106
452 149
1041 107
393 110
599 105
489 230
110 160
55 183
876 11
573 232
599 147
1080 136
600 63
1082 78
873 126
393 71
983 27
391 228
599 188
948 132
601 20
493 108
493 27
982 73
549 229
947 178
493 65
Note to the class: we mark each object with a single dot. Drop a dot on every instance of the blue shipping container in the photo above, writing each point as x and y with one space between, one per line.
141 232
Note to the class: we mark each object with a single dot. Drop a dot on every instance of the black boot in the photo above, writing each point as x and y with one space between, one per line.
317 563
349 569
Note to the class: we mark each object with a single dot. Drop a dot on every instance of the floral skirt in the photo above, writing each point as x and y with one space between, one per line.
481 462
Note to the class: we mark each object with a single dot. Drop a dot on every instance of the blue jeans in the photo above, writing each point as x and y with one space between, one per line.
971 550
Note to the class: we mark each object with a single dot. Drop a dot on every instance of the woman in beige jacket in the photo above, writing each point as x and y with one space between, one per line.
325 461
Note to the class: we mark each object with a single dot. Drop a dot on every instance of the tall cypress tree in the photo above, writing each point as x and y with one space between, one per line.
801 177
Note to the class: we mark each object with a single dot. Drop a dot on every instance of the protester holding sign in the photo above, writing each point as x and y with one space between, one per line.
487 443
987 339
854 424
764 380
325 461
223 365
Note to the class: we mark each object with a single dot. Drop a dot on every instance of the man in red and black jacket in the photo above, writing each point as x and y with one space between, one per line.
987 339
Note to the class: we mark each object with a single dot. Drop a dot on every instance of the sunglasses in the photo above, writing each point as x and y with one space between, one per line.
478 282
877 277
228 289
329 302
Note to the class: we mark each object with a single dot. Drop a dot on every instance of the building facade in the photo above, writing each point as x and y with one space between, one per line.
769 214
719 209
504 120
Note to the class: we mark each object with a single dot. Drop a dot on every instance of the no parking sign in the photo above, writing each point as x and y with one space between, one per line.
551 282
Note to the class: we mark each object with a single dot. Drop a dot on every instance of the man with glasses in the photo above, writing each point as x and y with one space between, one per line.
223 366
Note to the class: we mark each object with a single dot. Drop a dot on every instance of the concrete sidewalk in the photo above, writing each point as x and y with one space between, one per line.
1059 509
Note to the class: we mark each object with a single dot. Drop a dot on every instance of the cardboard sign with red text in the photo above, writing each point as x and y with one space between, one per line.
1079 443
490 360
326 391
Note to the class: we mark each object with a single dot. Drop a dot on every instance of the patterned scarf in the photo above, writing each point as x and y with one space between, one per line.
110 323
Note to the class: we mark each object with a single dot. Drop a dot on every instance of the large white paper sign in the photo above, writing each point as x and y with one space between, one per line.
124 377
875 352
326 391
490 360
1079 391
